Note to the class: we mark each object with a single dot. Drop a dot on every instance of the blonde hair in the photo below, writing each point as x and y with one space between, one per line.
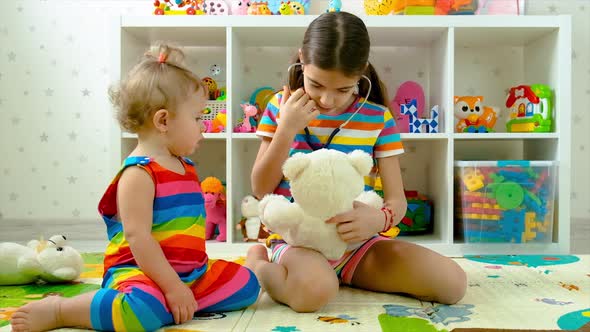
158 81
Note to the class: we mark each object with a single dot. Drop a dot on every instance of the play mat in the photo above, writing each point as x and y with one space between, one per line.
505 292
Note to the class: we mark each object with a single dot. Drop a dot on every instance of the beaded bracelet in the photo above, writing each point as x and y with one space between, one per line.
388 213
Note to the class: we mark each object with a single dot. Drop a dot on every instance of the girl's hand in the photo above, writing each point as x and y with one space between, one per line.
296 110
182 303
358 224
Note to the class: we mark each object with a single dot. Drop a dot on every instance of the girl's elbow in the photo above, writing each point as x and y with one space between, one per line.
259 191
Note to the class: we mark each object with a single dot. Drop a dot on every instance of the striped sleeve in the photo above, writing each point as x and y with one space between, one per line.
389 140
268 121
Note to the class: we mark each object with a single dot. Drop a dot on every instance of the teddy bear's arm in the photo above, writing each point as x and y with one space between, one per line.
29 265
65 273
370 198
278 214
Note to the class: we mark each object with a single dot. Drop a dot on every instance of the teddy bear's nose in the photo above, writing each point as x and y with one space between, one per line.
60 249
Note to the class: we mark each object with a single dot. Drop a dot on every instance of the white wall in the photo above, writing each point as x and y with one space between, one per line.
54 111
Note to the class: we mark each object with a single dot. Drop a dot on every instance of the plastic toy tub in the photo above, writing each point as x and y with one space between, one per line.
508 201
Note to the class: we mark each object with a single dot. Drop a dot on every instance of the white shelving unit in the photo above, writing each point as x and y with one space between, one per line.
255 52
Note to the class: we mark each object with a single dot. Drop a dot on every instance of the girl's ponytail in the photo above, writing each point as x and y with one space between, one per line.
378 93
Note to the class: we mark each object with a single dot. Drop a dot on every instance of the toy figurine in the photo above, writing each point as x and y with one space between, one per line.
248 122
285 8
215 207
473 116
240 7
297 8
334 6
250 225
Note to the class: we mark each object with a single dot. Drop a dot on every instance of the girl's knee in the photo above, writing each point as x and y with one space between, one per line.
313 292
456 288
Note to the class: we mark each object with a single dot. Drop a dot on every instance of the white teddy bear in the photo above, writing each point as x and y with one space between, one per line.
50 261
323 183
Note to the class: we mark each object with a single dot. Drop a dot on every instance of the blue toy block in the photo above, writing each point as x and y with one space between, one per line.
416 123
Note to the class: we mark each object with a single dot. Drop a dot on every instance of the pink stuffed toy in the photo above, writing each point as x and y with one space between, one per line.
215 208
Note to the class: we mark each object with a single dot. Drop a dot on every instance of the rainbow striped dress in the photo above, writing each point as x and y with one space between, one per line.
129 300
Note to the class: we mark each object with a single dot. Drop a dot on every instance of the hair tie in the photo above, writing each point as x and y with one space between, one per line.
162 58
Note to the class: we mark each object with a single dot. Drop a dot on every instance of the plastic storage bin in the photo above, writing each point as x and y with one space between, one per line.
504 201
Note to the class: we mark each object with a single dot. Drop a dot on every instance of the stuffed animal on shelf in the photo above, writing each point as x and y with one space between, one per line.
247 123
240 7
215 207
51 261
323 183
252 229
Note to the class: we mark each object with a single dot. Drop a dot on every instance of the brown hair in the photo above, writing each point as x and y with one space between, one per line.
158 81
340 41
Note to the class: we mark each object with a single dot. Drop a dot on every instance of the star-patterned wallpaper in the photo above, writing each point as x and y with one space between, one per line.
54 110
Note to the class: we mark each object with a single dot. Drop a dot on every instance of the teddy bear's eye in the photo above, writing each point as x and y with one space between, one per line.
60 249
464 108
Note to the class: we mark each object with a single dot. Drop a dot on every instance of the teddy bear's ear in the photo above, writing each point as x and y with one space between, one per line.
361 161
295 165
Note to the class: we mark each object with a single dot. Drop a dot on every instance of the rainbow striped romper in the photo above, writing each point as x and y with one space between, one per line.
128 299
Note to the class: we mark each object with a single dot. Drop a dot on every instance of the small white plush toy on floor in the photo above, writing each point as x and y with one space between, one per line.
51 261
323 183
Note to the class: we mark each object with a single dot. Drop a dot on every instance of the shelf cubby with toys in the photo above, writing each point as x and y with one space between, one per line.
447 56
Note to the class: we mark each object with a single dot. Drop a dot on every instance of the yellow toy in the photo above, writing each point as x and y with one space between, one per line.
379 7
473 180
211 86
263 9
297 8
285 8
186 7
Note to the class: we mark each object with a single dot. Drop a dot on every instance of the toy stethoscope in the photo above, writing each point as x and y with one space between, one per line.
335 131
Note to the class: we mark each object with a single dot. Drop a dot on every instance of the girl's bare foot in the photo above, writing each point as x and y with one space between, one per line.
256 254
40 315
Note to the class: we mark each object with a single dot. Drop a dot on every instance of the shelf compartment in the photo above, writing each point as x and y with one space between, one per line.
490 61
203 48
261 57
428 178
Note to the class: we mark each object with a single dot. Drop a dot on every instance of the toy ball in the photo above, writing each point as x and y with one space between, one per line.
211 85
215 70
